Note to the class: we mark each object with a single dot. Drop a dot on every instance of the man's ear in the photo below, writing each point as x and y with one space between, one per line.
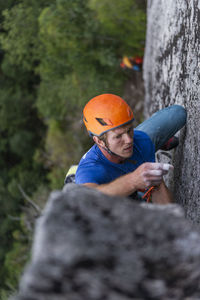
98 141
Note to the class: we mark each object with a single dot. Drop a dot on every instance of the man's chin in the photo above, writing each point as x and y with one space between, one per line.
127 154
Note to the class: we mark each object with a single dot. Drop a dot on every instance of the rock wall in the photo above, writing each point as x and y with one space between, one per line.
91 246
172 76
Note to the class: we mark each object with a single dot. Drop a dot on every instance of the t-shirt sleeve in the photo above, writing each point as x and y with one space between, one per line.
90 173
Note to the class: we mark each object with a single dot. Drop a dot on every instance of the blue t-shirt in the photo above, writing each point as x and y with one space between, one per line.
94 167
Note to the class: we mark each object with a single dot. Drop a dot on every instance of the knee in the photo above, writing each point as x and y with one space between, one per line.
180 113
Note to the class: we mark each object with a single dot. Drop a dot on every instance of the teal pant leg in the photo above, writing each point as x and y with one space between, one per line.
164 124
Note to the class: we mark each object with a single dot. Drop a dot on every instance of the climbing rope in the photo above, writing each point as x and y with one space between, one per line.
148 194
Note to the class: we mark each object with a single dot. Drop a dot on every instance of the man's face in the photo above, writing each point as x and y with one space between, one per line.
120 140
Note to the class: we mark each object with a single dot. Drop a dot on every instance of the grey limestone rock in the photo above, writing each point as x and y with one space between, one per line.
91 246
172 76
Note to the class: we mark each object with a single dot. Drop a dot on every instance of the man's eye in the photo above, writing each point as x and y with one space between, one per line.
118 136
130 131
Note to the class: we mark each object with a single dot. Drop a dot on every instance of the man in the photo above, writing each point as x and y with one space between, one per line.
122 161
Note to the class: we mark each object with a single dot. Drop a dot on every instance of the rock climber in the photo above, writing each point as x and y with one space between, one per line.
122 160
134 63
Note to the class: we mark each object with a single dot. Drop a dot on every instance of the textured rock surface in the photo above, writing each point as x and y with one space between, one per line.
172 75
91 246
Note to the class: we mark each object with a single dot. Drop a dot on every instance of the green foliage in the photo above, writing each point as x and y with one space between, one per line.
61 146
19 40
5 295
21 131
76 63
123 20
14 263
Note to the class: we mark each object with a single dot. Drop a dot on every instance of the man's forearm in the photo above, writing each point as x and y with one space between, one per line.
145 176
122 186
162 195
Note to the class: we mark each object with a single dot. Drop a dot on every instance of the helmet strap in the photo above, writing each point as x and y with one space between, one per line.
107 149
111 152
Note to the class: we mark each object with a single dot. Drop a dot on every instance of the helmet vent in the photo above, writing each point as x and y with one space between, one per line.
102 122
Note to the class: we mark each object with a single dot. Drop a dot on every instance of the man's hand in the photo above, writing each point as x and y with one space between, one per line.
149 174
145 176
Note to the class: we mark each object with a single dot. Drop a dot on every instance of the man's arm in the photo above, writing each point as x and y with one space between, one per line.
122 186
162 195
145 176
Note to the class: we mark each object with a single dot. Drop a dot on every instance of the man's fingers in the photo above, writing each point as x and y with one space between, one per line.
156 182
167 167
159 166
154 166
152 183
155 172
151 174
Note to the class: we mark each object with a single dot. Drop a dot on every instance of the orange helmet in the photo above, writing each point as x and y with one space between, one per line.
106 112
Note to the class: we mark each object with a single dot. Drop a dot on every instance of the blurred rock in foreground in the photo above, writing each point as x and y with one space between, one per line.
90 246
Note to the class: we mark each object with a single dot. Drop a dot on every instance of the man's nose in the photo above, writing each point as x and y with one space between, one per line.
128 138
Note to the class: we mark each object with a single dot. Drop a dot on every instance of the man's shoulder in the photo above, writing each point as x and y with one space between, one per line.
141 135
93 159
142 139
145 145
92 155
92 168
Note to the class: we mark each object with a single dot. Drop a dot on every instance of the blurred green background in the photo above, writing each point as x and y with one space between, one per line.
55 55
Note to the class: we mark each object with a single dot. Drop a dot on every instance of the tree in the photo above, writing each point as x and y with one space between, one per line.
19 138
125 21
77 63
